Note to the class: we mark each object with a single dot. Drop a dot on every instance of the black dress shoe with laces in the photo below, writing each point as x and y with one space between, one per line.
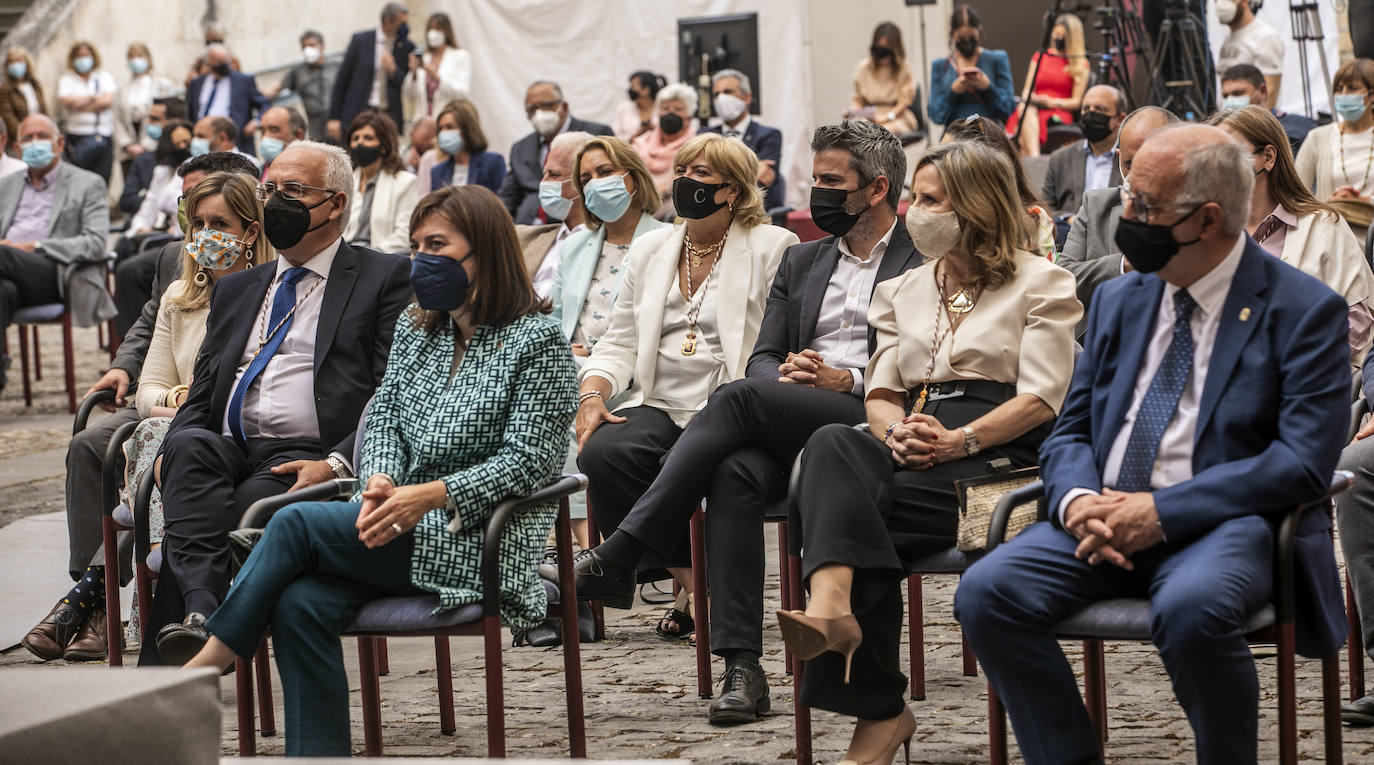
743 695
1359 713
596 580
177 643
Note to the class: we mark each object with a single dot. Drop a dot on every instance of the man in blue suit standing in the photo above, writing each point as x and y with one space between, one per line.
226 93
1183 438
732 96
373 68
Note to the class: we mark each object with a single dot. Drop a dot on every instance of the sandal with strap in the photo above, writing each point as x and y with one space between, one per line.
682 625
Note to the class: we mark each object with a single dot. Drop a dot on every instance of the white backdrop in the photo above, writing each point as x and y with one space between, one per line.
1275 13
590 49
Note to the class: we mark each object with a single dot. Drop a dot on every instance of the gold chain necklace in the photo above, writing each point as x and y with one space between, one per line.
263 335
955 317
689 345
1340 140
695 255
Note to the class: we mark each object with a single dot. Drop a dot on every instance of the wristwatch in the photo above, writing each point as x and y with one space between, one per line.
337 465
971 446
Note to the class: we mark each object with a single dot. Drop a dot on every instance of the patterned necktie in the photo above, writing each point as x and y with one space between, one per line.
1160 402
1266 228
279 324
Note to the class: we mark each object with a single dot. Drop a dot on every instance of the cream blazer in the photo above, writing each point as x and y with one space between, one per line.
1326 249
627 355
392 203
172 351
1316 160
1020 333
455 82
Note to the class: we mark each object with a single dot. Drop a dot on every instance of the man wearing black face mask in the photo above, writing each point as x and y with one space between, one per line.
1090 163
806 371
227 93
292 354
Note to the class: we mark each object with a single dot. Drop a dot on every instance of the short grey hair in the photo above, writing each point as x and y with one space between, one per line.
678 91
1167 116
556 88
738 75
873 151
338 171
392 10
571 141
1216 171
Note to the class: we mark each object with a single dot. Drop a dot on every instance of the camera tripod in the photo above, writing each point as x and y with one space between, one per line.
1307 28
1191 92
1123 34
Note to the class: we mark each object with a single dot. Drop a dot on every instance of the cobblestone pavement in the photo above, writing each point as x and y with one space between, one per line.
640 692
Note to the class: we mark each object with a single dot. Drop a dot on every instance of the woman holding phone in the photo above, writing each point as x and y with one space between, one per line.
972 79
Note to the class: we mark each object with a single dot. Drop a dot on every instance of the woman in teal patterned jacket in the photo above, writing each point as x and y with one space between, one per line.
475 407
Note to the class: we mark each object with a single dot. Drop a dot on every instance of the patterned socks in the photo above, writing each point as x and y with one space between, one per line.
89 592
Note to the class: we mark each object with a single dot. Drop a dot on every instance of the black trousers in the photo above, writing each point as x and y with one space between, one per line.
856 507
208 482
134 287
736 453
26 279
1362 27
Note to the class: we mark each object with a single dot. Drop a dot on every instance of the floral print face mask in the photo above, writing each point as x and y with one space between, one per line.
215 250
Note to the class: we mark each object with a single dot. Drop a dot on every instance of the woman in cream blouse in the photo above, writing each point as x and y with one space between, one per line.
1291 224
688 311
1000 322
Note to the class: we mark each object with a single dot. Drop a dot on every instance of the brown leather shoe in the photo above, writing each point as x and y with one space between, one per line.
90 643
50 637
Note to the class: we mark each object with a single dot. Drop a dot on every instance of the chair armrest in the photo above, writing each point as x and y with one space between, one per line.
88 405
113 466
1285 600
562 486
259 513
1001 514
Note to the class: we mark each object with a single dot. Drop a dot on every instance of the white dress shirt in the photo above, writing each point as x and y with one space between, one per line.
683 383
87 122
548 267
842 324
1097 169
214 97
281 403
377 98
163 192
1174 460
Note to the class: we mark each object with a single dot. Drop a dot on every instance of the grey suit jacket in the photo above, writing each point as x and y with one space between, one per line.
77 229
134 347
1064 179
1090 252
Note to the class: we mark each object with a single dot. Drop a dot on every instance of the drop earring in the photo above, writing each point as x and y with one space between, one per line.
200 279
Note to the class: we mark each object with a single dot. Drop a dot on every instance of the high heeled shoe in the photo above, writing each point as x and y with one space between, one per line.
811 636
901 736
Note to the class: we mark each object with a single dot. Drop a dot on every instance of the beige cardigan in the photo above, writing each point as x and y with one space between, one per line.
171 352
1316 162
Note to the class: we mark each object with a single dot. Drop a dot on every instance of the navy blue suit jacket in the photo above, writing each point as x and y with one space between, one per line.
136 181
485 168
766 143
353 83
1271 422
245 103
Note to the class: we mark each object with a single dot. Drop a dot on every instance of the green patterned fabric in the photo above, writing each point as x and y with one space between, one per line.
499 429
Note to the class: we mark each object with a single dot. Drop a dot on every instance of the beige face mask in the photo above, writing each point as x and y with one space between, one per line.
934 234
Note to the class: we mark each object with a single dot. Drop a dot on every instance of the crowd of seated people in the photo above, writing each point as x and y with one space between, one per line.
1182 307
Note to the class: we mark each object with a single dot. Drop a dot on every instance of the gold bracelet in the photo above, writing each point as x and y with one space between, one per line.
169 398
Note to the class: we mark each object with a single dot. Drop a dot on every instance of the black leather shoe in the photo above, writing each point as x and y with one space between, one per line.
177 643
241 544
1359 713
614 587
743 695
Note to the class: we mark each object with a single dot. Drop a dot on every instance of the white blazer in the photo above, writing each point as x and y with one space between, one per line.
455 82
627 355
392 203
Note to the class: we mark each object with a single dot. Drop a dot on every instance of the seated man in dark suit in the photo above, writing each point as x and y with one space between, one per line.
226 93
1091 162
74 625
549 115
732 95
1355 516
140 170
1090 252
373 68
1243 85
1211 397
290 358
806 371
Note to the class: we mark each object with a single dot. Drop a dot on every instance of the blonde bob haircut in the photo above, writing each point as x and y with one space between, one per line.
737 163
624 158
981 189
240 193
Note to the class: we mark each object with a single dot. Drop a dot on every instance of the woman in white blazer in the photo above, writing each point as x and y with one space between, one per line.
384 198
1291 224
443 73
684 322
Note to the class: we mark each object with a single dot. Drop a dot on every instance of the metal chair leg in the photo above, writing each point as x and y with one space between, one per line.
970 661
383 661
68 362
785 587
443 668
1095 689
496 708
37 355
1354 645
594 539
372 718
997 729
1331 709
572 649
1288 701
114 629
243 697
24 365
916 629
801 715
263 664
700 603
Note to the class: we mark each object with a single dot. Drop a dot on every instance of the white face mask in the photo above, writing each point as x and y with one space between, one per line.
435 38
1226 11
311 53
545 122
729 107
934 234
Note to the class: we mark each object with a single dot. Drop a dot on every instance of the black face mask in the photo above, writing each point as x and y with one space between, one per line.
177 156
670 123
880 52
1096 126
1060 44
967 46
1150 247
828 210
694 199
221 69
364 155
633 95
403 32
285 222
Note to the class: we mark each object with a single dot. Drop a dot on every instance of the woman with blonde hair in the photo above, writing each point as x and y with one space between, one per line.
973 359
20 92
1039 222
687 313
1294 226
1061 77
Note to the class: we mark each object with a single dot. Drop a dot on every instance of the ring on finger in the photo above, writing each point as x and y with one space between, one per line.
397 528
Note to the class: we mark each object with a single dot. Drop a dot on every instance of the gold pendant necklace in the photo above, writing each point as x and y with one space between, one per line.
960 302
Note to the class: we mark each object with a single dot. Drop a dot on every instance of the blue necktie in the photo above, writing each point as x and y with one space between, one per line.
1160 402
282 303
205 112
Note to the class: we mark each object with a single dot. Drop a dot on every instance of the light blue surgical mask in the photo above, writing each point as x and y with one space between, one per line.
269 148
451 142
1350 106
17 69
153 130
84 64
138 65
200 146
38 153
552 200
1234 102
606 198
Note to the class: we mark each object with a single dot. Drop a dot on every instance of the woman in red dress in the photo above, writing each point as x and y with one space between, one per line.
1059 86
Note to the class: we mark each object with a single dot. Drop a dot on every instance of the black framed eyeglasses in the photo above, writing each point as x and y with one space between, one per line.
289 189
